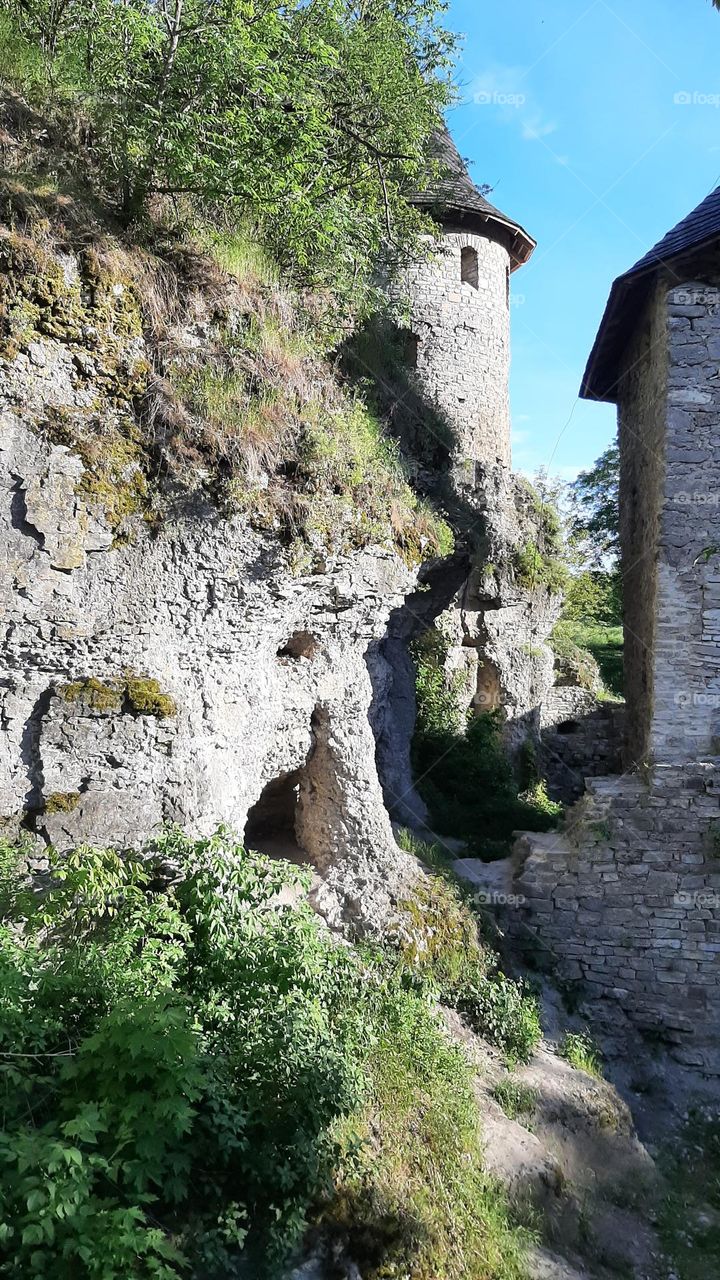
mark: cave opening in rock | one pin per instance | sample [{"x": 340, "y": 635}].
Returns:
[
  {"x": 302, "y": 644},
  {"x": 271, "y": 822}
]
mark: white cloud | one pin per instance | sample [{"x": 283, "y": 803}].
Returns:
[
  {"x": 506, "y": 91},
  {"x": 534, "y": 127}
]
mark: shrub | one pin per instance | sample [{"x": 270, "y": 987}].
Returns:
[
  {"x": 186, "y": 1064},
  {"x": 504, "y": 1012},
  {"x": 185, "y": 1050},
  {"x": 581, "y": 1052}
]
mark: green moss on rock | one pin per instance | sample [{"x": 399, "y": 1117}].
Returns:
[
  {"x": 94, "y": 694},
  {"x": 138, "y": 695},
  {"x": 62, "y": 802},
  {"x": 146, "y": 698}
]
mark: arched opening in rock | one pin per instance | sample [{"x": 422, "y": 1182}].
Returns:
[
  {"x": 271, "y": 822},
  {"x": 567, "y": 727},
  {"x": 487, "y": 694},
  {"x": 302, "y": 644},
  {"x": 469, "y": 272}
]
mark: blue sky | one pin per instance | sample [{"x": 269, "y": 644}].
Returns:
[{"x": 598, "y": 125}]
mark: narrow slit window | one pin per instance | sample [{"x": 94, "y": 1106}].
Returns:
[{"x": 469, "y": 266}]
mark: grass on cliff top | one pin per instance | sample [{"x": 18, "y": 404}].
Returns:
[
  {"x": 236, "y": 393},
  {"x": 192, "y": 1073}
]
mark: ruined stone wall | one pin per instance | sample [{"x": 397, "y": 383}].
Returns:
[
  {"x": 626, "y": 904},
  {"x": 642, "y": 418},
  {"x": 463, "y": 342},
  {"x": 581, "y": 737}
]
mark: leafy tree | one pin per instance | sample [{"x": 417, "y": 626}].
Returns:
[
  {"x": 313, "y": 115},
  {"x": 594, "y": 518},
  {"x": 594, "y": 593}
]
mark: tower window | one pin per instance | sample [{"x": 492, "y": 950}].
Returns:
[{"x": 469, "y": 266}]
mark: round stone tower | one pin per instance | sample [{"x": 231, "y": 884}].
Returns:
[{"x": 459, "y": 314}]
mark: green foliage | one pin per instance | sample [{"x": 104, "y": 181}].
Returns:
[
  {"x": 503, "y": 1011},
  {"x": 185, "y": 1049},
  {"x": 375, "y": 358},
  {"x": 535, "y": 569},
  {"x": 185, "y": 1063},
  {"x": 311, "y": 117},
  {"x": 594, "y": 596},
  {"x": 595, "y": 514},
  {"x": 463, "y": 772},
  {"x": 517, "y": 1100},
  {"x": 690, "y": 1212},
  {"x": 540, "y": 562},
  {"x": 605, "y": 645},
  {"x": 440, "y": 940},
  {"x": 355, "y": 482},
  {"x": 581, "y": 1052}
]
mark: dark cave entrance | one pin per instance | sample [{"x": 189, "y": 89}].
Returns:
[{"x": 271, "y": 822}]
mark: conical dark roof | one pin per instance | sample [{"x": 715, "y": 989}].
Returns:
[
  {"x": 691, "y": 236},
  {"x": 451, "y": 195}
]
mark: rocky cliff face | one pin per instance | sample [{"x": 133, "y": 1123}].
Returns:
[
  {"x": 209, "y": 591},
  {"x": 167, "y": 662}
]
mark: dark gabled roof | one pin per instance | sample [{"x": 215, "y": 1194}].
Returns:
[
  {"x": 452, "y": 196},
  {"x": 630, "y": 291}
]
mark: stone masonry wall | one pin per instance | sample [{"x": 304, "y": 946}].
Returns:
[
  {"x": 625, "y": 903},
  {"x": 686, "y": 703},
  {"x": 581, "y": 737},
  {"x": 463, "y": 349}
]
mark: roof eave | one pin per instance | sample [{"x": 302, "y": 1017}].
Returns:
[{"x": 519, "y": 242}]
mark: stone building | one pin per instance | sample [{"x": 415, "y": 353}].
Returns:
[
  {"x": 459, "y": 339},
  {"x": 627, "y": 901},
  {"x": 454, "y": 307},
  {"x": 656, "y": 356}
]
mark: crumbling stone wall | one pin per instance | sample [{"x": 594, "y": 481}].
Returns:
[
  {"x": 463, "y": 342},
  {"x": 625, "y": 903},
  {"x": 581, "y": 737}
]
